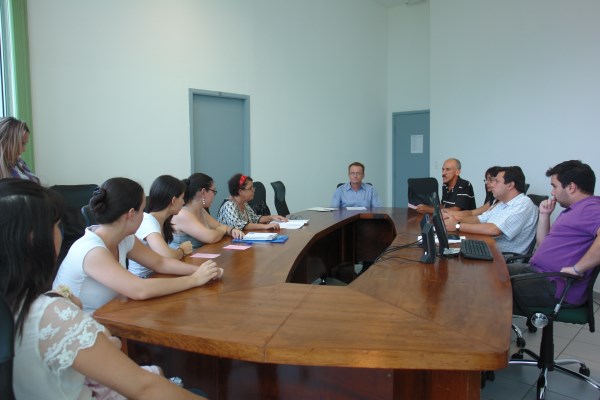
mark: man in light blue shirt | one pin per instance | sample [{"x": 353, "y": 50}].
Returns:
[{"x": 355, "y": 193}]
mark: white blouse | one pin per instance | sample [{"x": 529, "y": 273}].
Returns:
[{"x": 54, "y": 332}]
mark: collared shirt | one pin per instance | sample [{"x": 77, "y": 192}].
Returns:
[
  {"x": 460, "y": 196},
  {"x": 569, "y": 238},
  {"x": 517, "y": 219},
  {"x": 345, "y": 196}
]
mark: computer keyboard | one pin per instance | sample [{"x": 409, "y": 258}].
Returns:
[{"x": 477, "y": 249}]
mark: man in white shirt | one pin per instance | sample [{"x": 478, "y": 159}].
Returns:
[{"x": 512, "y": 221}]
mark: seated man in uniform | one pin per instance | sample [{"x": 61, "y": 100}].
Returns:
[{"x": 355, "y": 193}]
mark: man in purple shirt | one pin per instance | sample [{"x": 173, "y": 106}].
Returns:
[{"x": 570, "y": 245}]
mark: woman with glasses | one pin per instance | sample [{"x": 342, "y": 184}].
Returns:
[
  {"x": 194, "y": 223},
  {"x": 490, "y": 174},
  {"x": 237, "y": 213},
  {"x": 95, "y": 267},
  {"x": 57, "y": 346},
  {"x": 165, "y": 201}
]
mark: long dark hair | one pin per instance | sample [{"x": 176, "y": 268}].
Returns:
[
  {"x": 162, "y": 191},
  {"x": 114, "y": 198},
  {"x": 28, "y": 213},
  {"x": 195, "y": 183}
]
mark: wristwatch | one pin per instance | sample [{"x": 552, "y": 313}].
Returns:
[{"x": 457, "y": 226}]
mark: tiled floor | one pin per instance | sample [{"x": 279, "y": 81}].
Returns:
[{"x": 570, "y": 341}]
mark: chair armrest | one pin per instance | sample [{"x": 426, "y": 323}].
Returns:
[
  {"x": 510, "y": 257},
  {"x": 535, "y": 275}
]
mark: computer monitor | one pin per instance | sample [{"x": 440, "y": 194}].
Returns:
[
  {"x": 438, "y": 222},
  {"x": 428, "y": 241}
]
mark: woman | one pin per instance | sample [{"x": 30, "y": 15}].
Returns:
[
  {"x": 165, "y": 201},
  {"x": 236, "y": 211},
  {"x": 95, "y": 266},
  {"x": 193, "y": 223},
  {"x": 14, "y": 135},
  {"x": 490, "y": 174},
  {"x": 57, "y": 346}
]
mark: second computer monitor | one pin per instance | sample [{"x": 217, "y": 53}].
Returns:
[{"x": 438, "y": 223}]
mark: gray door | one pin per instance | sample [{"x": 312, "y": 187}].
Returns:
[
  {"x": 219, "y": 124},
  {"x": 410, "y": 151}
]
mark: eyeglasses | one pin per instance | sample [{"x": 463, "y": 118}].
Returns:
[
  {"x": 488, "y": 179},
  {"x": 214, "y": 191}
]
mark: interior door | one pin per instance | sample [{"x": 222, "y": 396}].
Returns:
[
  {"x": 219, "y": 124},
  {"x": 410, "y": 151}
]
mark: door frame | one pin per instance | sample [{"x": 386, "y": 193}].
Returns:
[{"x": 246, "y": 134}]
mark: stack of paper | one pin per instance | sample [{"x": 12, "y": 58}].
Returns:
[
  {"x": 259, "y": 236},
  {"x": 293, "y": 224}
]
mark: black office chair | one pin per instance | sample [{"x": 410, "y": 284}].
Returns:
[
  {"x": 280, "y": 204},
  {"x": 88, "y": 215},
  {"x": 420, "y": 189},
  {"x": 73, "y": 222},
  {"x": 537, "y": 198},
  {"x": 7, "y": 350},
  {"x": 259, "y": 202},
  {"x": 340, "y": 184},
  {"x": 545, "y": 318}
]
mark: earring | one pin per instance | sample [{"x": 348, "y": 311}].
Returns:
[{"x": 203, "y": 201}]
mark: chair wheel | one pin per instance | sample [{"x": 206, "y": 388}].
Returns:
[
  {"x": 532, "y": 328},
  {"x": 520, "y": 342},
  {"x": 517, "y": 356},
  {"x": 584, "y": 370}
]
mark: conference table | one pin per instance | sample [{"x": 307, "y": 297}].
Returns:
[{"x": 265, "y": 330}]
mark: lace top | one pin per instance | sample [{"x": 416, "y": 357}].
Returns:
[{"x": 54, "y": 332}]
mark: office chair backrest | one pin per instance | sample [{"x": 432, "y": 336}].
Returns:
[
  {"x": 340, "y": 184},
  {"x": 7, "y": 350},
  {"x": 537, "y": 198},
  {"x": 280, "y": 204},
  {"x": 420, "y": 189},
  {"x": 259, "y": 202},
  {"x": 73, "y": 222}
]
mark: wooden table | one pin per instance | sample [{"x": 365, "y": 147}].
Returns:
[{"x": 401, "y": 330}]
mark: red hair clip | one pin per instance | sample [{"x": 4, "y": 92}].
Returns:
[{"x": 243, "y": 180}]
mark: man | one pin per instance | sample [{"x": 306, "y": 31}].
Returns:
[
  {"x": 512, "y": 221},
  {"x": 457, "y": 193},
  {"x": 570, "y": 245},
  {"x": 355, "y": 193}
]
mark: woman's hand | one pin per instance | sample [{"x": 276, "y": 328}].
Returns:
[
  {"x": 236, "y": 233},
  {"x": 187, "y": 248},
  {"x": 206, "y": 272},
  {"x": 278, "y": 218}
]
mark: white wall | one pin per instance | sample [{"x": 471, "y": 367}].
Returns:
[
  {"x": 110, "y": 83},
  {"x": 515, "y": 82},
  {"x": 408, "y": 67}
]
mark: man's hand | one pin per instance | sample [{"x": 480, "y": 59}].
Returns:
[{"x": 547, "y": 206}]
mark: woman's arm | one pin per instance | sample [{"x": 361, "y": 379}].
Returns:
[
  {"x": 149, "y": 259},
  {"x": 107, "y": 365},
  {"x": 100, "y": 264},
  {"x": 229, "y": 230},
  {"x": 187, "y": 222},
  {"x": 157, "y": 243}
]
